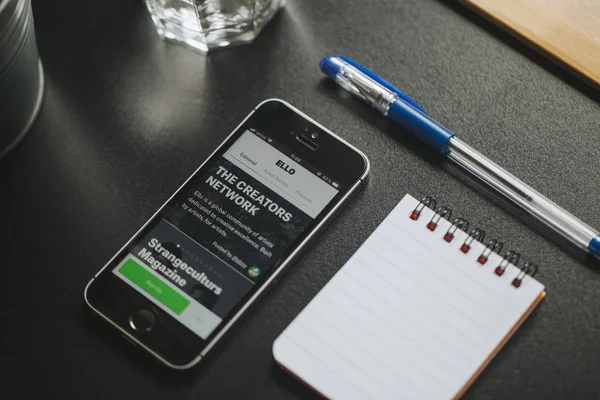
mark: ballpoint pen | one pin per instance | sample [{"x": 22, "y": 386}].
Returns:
[{"x": 399, "y": 108}]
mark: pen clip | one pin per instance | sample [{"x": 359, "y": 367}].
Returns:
[{"x": 383, "y": 83}]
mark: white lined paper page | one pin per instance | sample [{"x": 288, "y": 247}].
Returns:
[{"x": 408, "y": 316}]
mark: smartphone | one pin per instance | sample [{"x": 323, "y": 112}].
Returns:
[{"x": 184, "y": 279}]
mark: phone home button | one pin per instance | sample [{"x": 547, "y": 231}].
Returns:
[{"x": 142, "y": 320}]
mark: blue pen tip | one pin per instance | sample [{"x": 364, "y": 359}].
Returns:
[
  {"x": 594, "y": 247},
  {"x": 330, "y": 66}
]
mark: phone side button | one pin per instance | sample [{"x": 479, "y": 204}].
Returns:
[{"x": 142, "y": 320}]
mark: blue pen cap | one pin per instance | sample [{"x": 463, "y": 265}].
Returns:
[
  {"x": 330, "y": 66},
  {"x": 388, "y": 100}
]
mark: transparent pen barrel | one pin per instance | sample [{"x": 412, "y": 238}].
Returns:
[
  {"x": 530, "y": 200},
  {"x": 365, "y": 88}
]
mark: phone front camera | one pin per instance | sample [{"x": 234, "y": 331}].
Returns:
[{"x": 314, "y": 135}]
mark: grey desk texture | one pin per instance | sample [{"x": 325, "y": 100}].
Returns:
[{"x": 127, "y": 118}]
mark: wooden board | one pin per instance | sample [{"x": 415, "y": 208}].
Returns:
[{"x": 567, "y": 30}]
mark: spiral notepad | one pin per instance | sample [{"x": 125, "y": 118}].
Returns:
[{"x": 417, "y": 312}]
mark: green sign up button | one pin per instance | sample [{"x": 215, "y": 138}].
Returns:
[{"x": 154, "y": 286}]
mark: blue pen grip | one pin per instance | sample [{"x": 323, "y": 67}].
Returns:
[{"x": 420, "y": 125}]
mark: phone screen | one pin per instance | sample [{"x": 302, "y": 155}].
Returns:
[{"x": 225, "y": 230}]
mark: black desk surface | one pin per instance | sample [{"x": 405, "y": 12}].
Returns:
[{"x": 127, "y": 118}]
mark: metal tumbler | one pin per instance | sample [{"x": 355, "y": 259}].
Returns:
[{"x": 21, "y": 75}]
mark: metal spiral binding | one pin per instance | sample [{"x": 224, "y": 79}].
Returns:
[
  {"x": 528, "y": 269},
  {"x": 442, "y": 212},
  {"x": 459, "y": 223},
  {"x": 426, "y": 202},
  {"x": 511, "y": 257},
  {"x": 493, "y": 246},
  {"x": 475, "y": 234}
]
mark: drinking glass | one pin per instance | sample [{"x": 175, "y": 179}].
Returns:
[{"x": 210, "y": 24}]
